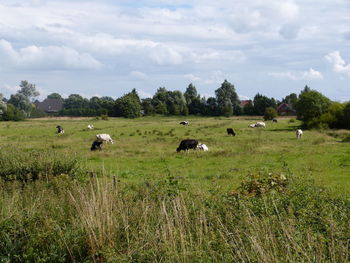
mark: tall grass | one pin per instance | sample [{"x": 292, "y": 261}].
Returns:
[
  {"x": 35, "y": 164},
  {"x": 100, "y": 221}
]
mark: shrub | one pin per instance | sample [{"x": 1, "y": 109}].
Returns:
[
  {"x": 104, "y": 117},
  {"x": 270, "y": 113},
  {"x": 33, "y": 165}
]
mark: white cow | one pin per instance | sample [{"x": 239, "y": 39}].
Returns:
[
  {"x": 90, "y": 126},
  {"x": 202, "y": 147},
  {"x": 251, "y": 125},
  {"x": 260, "y": 124},
  {"x": 104, "y": 137},
  {"x": 299, "y": 133}
]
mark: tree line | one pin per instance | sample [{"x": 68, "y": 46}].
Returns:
[{"x": 310, "y": 106}]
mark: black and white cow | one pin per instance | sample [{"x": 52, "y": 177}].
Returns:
[
  {"x": 187, "y": 144},
  {"x": 104, "y": 137},
  {"x": 184, "y": 122},
  {"x": 274, "y": 120},
  {"x": 59, "y": 129},
  {"x": 230, "y": 131},
  {"x": 96, "y": 145}
]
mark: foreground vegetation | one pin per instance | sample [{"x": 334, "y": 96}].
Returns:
[{"x": 261, "y": 196}]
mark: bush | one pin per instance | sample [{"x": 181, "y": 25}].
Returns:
[
  {"x": 270, "y": 113},
  {"x": 33, "y": 165},
  {"x": 104, "y": 117}
]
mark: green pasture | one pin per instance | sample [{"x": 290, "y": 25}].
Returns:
[{"x": 145, "y": 149}]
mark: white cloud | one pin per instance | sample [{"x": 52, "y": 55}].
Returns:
[
  {"x": 338, "y": 63},
  {"x": 144, "y": 94},
  {"x": 13, "y": 89},
  {"x": 243, "y": 97},
  {"x": 45, "y": 58},
  {"x": 192, "y": 77},
  {"x": 138, "y": 75},
  {"x": 311, "y": 74}
]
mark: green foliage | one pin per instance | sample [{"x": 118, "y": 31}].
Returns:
[
  {"x": 104, "y": 117},
  {"x": 249, "y": 109},
  {"x": 128, "y": 106},
  {"x": 21, "y": 102},
  {"x": 28, "y": 90},
  {"x": 55, "y": 96},
  {"x": 147, "y": 106},
  {"x": 291, "y": 100},
  {"x": 258, "y": 184},
  {"x": 226, "y": 98},
  {"x": 37, "y": 113},
  {"x": 12, "y": 114},
  {"x": 311, "y": 105},
  {"x": 270, "y": 113},
  {"x": 33, "y": 165},
  {"x": 153, "y": 221},
  {"x": 262, "y": 102}
]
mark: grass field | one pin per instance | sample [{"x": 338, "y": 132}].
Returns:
[
  {"x": 261, "y": 196},
  {"x": 145, "y": 149}
]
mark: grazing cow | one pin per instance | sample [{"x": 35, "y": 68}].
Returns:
[
  {"x": 90, "y": 126},
  {"x": 260, "y": 124},
  {"x": 202, "y": 147},
  {"x": 299, "y": 133},
  {"x": 96, "y": 145},
  {"x": 274, "y": 120},
  {"x": 184, "y": 122},
  {"x": 251, "y": 125},
  {"x": 185, "y": 145},
  {"x": 104, "y": 137},
  {"x": 59, "y": 129},
  {"x": 230, "y": 131}
]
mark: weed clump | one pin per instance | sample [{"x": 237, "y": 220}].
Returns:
[{"x": 35, "y": 164}]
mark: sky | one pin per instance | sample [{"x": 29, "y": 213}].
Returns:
[{"x": 108, "y": 48}]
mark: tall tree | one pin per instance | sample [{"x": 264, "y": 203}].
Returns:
[
  {"x": 28, "y": 90},
  {"x": 262, "y": 102},
  {"x": 55, "y": 96},
  {"x": 291, "y": 100},
  {"x": 2, "y": 105},
  {"x": 193, "y": 100},
  {"x": 128, "y": 106},
  {"x": 225, "y": 96},
  {"x": 311, "y": 104}
]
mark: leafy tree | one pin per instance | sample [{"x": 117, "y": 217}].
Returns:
[
  {"x": 2, "y": 105},
  {"x": 226, "y": 95},
  {"x": 147, "y": 106},
  {"x": 291, "y": 100},
  {"x": 193, "y": 100},
  {"x": 128, "y": 106},
  {"x": 55, "y": 96},
  {"x": 159, "y": 101},
  {"x": 346, "y": 116},
  {"x": 262, "y": 102},
  {"x": 211, "y": 107},
  {"x": 176, "y": 103},
  {"x": 270, "y": 113},
  {"x": 107, "y": 105},
  {"x": 249, "y": 109},
  {"x": 75, "y": 101},
  {"x": 311, "y": 104},
  {"x": 21, "y": 102},
  {"x": 28, "y": 90},
  {"x": 306, "y": 89},
  {"x": 12, "y": 114}
]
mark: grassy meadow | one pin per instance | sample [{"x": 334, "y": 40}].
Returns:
[
  {"x": 261, "y": 196},
  {"x": 145, "y": 149}
]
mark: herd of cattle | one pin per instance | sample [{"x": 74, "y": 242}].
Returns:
[{"x": 185, "y": 145}]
